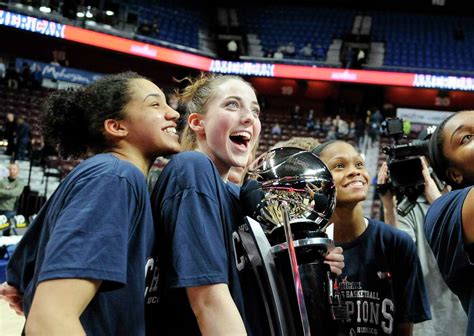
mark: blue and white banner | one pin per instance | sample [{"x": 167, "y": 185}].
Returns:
[
  {"x": 31, "y": 24},
  {"x": 60, "y": 73}
]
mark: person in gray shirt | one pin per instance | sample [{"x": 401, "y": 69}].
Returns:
[{"x": 448, "y": 316}]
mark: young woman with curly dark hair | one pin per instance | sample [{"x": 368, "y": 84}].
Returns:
[{"x": 80, "y": 265}]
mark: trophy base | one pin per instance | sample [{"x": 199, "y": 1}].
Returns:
[
  {"x": 311, "y": 247},
  {"x": 273, "y": 270},
  {"x": 315, "y": 284}
]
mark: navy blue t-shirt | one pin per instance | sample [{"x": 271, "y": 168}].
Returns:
[
  {"x": 382, "y": 283},
  {"x": 97, "y": 225},
  {"x": 196, "y": 216},
  {"x": 444, "y": 232}
]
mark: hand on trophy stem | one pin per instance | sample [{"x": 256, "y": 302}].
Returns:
[{"x": 335, "y": 259}]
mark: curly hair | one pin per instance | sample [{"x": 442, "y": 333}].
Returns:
[
  {"x": 72, "y": 119},
  {"x": 194, "y": 98}
]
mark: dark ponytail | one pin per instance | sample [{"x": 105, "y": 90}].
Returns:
[{"x": 72, "y": 120}]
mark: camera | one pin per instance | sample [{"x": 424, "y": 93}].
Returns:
[{"x": 404, "y": 165}]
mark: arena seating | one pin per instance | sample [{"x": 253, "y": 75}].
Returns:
[
  {"x": 425, "y": 41},
  {"x": 177, "y": 24},
  {"x": 278, "y": 26},
  {"x": 439, "y": 44},
  {"x": 27, "y": 102}
]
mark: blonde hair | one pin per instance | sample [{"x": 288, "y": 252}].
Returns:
[
  {"x": 194, "y": 98},
  {"x": 305, "y": 143}
]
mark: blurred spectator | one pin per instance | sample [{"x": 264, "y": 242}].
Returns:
[
  {"x": 60, "y": 57},
  {"x": 347, "y": 57},
  {"x": 335, "y": 122},
  {"x": 10, "y": 191},
  {"x": 332, "y": 134},
  {"x": 318, "y": 125},
  {"x": 352, "y": 130},
  {"x": 269, "y": 53},
  {"x": 280, "y": 52},
  {"x": 144, "y": 28},
  {"x": 327, "y": 123},
  {"x": 290, "y": 49},
  {"x": 276, "y": 129},
  {"x": 278, "y": 55},
  {"x": 155, "y": 28},
  {"x": 232, "y": 46},
  {"x": 360, "y": 60},
  {"x": 319, "y": 53},
  {"x": 374, "y": 131},
  {"x": 377, "y": 117},
  {"x": 12, "y": 76},
  {"x": 26, "y": 78},
  {"x": 310, "y": 121},
  {"x": 360, "y": 133},
  {"x": 307, "y": 51},
  {"x": 281, "y": 48},
  {"x": 37, "y": 77},
  {"x": 342, "y": 128},
  {"x": 296, "y": 116},
  {"x": 53, "y": 62},
  {"x": 23, "y": 135},
  {"x": 9, "y": 127},
  {"x": 232, "y": 50},
  {"x": 3, "y": 70}
]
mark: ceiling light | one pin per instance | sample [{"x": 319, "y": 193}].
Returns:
[{"x": 45, "y": 9}]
